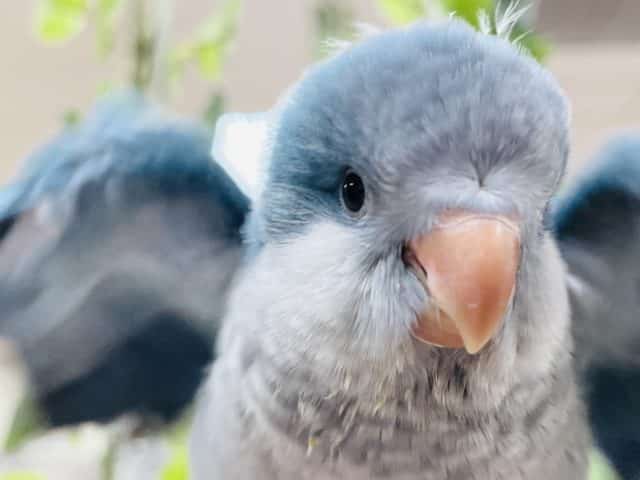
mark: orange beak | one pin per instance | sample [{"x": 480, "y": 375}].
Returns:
[{"x": 468, "y": 263}]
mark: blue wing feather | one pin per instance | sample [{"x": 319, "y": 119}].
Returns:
[
  {"x": 597, "y": 224},
  {"x": 119, "y": 240}
]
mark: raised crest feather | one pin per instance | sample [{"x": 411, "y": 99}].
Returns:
[{"x": 503, "y": 22}]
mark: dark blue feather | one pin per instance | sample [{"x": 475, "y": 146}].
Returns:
[
  {"x": 597, "y": 224},
  {"x": 128, "y": 182}
]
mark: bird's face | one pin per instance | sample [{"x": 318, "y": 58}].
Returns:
[{"x": 405, "y": 199}]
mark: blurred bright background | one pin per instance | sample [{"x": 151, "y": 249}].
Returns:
[
  {"x": 212, "y": 56},
  {"x": 595, "y": 53}
]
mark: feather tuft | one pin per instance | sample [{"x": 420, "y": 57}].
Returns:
[{"x": 503, "y": 22}]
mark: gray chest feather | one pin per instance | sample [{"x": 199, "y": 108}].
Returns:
[{"x": 279, "y": 425}]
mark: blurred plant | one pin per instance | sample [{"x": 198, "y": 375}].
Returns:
[
  {"x": 57, "y": 20},
  {"x": 332, "y": 21},
  {"x": 208, "y": 46},
  {"x": 600, "y": 469},
  {"x": 485, "y": 15},
  {"x": 208, "y": 49},
  {"x": 403, "y": 11},
  {"x": 27, "y": 423},
  {"x": 60, "y": 21},
  {"x": 108, "y": 463},
  {"x": 177, "y": 468},
  {"x": 21, "y": 476},
  {"x": 154, "y": 61},
  {"x": 71, "y": 117}
]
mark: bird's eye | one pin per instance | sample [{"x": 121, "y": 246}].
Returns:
[{"x": 352, "y": 192}]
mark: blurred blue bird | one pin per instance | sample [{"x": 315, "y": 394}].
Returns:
[
  {"x": 122, "y": 239},
  {"x": 597, "y": 224},
  {"x": 119, "y": 239}
]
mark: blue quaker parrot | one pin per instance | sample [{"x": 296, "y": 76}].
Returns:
[
  {"x": 108, "y": 236},
  {"x": 404, "y": 309},
  {"x": 597, "y": 225},
  {"x": 392, "y": 298}
]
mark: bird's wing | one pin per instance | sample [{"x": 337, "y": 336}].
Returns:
[
  {"x": 597, "y": 224},
  {"x": 119, "y": 220}
]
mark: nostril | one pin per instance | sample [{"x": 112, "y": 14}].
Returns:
[
  {"x": 412, "y": 263},
  {"x": 405, "y": 254},
  {"x": 408, "y": 257}
]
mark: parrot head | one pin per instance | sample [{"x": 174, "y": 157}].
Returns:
[{"x": 404, "y": 199}]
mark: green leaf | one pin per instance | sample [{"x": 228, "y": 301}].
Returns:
[
  {"x": 105, "y": 25},
  {"x": 108, "y": 463},
  {"x": 177, "y": 467},
  {"x": 60, "y": 20},
  {"x": 108, "y": 7},
  {"x": 210, "y": 44},
  {"x": 178, "y": 432},
  {"x": 468, "y": 10},
  {"x": 209, "y": 56},
  {"x": 71, "y": 117},
  {"x": 21, "y": 476},
  {"x": 403, "y": 11},
  {"x": 332, "y": 20},
  {"x": 28, "y": 422},
  {"x": 105, "y": 87},
  {"x": 600, "y": 469},
  {"x": 69, "y": 5}
]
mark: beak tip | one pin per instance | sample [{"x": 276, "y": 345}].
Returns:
[
  {"x": 473, "y": 348},
  {"x": 473, "y": 343}
]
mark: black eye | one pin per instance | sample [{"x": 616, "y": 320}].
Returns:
[{"x": 352, "y": 192}]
